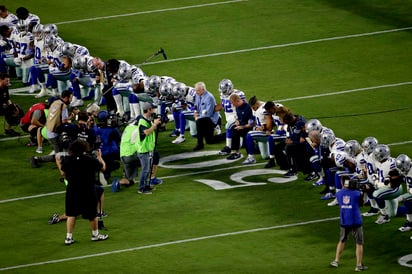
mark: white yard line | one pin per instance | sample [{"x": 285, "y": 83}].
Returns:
[
  {"x": 283, "y": 45},
  {"x": 137, "y": 248},
  {"x": 149, "y": 11}
]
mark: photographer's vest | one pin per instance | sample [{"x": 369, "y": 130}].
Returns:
[
  {"x": 54, "y": 119},
  {"x": 147, "y": 143},
  {"x": 26, "y": 119},
  {"x": 126, "y": 148}
]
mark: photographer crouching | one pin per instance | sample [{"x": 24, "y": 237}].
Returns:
[{"x": 108, "y": 140}]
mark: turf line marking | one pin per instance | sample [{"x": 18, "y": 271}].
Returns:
[
  {"x": 169, "y": 243},
  {"x": 32, "y": 197},
  {"x": 282, "y": 45},
  {"x": 346, "y": 91},
  {"x": 149, "y": 11}
]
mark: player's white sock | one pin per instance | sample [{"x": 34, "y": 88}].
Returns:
[
  {"x": 134, "y": 110},
  {"x": 119, "y": 104}
]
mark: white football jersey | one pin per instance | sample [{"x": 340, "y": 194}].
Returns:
[
  {"x": 190, "y": 97},
  {"x": 227, "y": 106},
  {"x": 382, "y": 169},
  {"x": 56, "y": 56},
  {"x": 260, "y": 115},
  {"x": 40, "y": 51},
  {"x": 167, "y": 79},
  {"x": 23, "y": 42},
  {"x": 360, "y": 161},
  {"x": 32, "y": 19},
  {"x": 137, "y": 75},
  {"x": 9, "y": 20},
  {"x": 80, "y": 51},
  {"x": 337, "y": 146}
]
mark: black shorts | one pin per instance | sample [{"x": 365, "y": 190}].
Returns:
[{"x": 84, "y": 204}]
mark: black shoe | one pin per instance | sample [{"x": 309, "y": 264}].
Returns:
[
  {"x": 290, "y": 173},
  {"x": 198, "y": 147},
  {"x": 11, "y": 132},
  {"x": 311, "y": 177},
  {"x": 234, "y": 156},
  {"x": 226, "y": 150},
  {"x": 270, "y": 163},
  {"x": 33, "y": 162}
]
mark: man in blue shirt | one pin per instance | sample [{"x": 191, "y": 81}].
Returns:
[
  {"x": 350, "y": 200},
  {"x": 205, "y": 116}
]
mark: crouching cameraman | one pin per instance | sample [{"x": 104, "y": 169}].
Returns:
[
  {"x": 108, "y": 140},
  {"x": 350, "y": 200}
]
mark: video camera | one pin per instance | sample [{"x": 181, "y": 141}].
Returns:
[
  {"x": 115, "y": 120},
  {"x": 354, "y": 183},
  {"x": 163, "y": 118}
]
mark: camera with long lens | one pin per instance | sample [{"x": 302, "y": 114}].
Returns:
[
  {"x": 355, "y": 184},
  {"x": 163, "y": 118},
  {"x": 115, "y": 120}
]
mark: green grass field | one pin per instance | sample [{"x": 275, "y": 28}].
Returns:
[{"x": 347, "y": 63}]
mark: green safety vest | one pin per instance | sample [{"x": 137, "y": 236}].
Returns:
[
  {"x": 148, "y": 143},
  {"x": 126, "y": 148}
]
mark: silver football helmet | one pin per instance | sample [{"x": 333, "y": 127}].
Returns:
[
  {"x": 50, "y": 41},
  {"x": 327, "y": 139},
  {"x": 403, "y": 163},
  {"x": 165, "y": 89},
  {"x": 369, "y": 144},
  {"x": 79, "y": 62},
  {"x": 179, "y": 90},
  {"x": 154, "y": 83},
  {"x": 38, "y": 31},
  {"x": 313, "y": 124},
  {"x": 68, "y": 49},
  {"x": 22, "y": 27},
  {"x": 226, "y": 87},
  {"x": 352, "y": 148},
  {"x": 125, "y": 71},
  {"x": 50, "y": 29},
  {"x": 381, "y": 153}
]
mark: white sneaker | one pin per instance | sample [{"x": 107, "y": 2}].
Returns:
[
  {"x": 100, "y": 237},
  {"x": 76, "y": 102},
  {"x": 249, "y": 160},
  {"x": 333, "y": 203},
  {"x": 383, "y": 219},
  {"x": 33, "y": 88},
  {"x": 406, "y": 227},
  {"x": 68, "y": 241},
  {"x": 179, "y": 140},
  {"x": 42, "y": 93},
  {"x": 39, "y": 150}
]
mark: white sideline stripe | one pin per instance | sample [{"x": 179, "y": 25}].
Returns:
[
  {"x": 149, "y": 11},
  {"x": 32, "y": 197},
  {"x": 169, "y": 243},
  {"x": 282, "y": 45}
]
